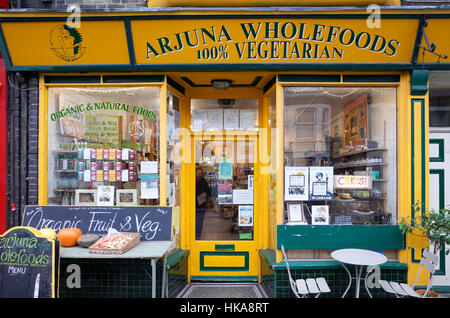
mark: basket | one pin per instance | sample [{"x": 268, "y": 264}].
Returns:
[{"x": 135, "y": 239}]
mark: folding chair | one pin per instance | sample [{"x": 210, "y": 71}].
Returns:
[
  {"x": 429, "y": 261},
  {"x": 303, "y": 287}
]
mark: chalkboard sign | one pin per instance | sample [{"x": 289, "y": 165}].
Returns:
[
  {"x": 154, "y": 223},
  {"x": 29, "y": 264}
]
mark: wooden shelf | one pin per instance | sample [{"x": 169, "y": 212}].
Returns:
[
  {"x": 369, "y": 164},
  {"x": 352, "y": 153}
]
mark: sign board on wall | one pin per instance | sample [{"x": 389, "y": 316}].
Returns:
[
  {"x": 352, "y": 182},
  {"x": 154, "y": 223},
  {"x": 29, "y": 264},
  {"x": 198, "y": 40}
]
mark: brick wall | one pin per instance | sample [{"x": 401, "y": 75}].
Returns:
[
  {"x": 62, "y": 5},
  {"x": 23, "y": 129}
]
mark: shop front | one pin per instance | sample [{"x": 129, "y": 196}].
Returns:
[{"x": 306, "y": 130}]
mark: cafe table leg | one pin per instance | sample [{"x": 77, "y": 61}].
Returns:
[
  {"x": 153, "y": 278},
  {"x": 164, "y": 277},
  {"x": 349, "y": 277},
  {"x": 365, "y": 284},
  {"x": 358, "y": 280}
]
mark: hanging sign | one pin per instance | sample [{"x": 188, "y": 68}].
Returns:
[{"x": 29, "y": 264}]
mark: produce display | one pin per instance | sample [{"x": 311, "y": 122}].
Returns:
[
  {"x": 50, "y": 234},
  {"x": 115, "y": 242},
  {"x": 69, "y": 236},
  {"x": 87, "y": 240}
]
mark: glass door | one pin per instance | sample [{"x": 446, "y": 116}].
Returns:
[{"x": 226, "y": 218}]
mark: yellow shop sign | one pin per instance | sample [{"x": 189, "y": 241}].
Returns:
[
  {"x": 262, "y": 41},
  {"x": 128, "y": 41}
]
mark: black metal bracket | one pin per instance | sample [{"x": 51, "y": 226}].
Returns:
[{"x": 429, "y": 47}]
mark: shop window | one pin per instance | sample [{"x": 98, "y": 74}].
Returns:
[
  {"x": 340, "y": 155},
  {"x": 440, "y": 107},
  {"x": 439, "y": 115},
  {"x": 103, "y": 146},
  {"x": 173, "y": 164}
]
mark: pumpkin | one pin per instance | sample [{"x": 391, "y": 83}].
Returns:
[
  {"x": 50, "y": 234},
  {"x": 69, "y": 236}
]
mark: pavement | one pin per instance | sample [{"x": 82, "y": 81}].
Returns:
[{"x": 231, "y": 290}]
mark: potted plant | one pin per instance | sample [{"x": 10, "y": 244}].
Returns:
[{"x": 434, "y": 225}]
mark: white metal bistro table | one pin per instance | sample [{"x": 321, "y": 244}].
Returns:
[
  {"x": 144, "y": 250},
  {"x": 359, "y": 258}
]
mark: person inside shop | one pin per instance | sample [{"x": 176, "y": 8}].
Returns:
[{"x": 202, "y": 193}]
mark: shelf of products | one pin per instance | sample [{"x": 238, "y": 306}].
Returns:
[
  {"x": 361, "y": 206},
  {"x": 90, "y": 168}
]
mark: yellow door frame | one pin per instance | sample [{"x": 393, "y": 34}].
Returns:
[{"x": 188, "y": 178}]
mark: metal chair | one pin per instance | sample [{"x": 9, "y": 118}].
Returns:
[
  {"x": 303, "y": 287},
  {"x": 429, "y": 261}
]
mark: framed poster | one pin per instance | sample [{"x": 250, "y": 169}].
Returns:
[
  {"x": 199, "y": 120},
  {"x": 320, "y": 215},
  {"x": 296, "y": 183},
  {"x": 105, "y": 195},
  {"x": 296, "y": 213},
  {"x": 85, "y": 197},
  {"x": 231, "y": 119},
  {"x": 245, "y": 215},
  {"x": 356, "y": 123},
  {"x": 225, "y": 170},
  {"x": 126, "y": 197},
  {"x": 215, "y": 119},
  {"x": 247, "y": 119},
  {"x": 321, "y": 183}
]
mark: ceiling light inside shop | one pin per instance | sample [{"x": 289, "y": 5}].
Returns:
[{"x": 221, "y": 83}]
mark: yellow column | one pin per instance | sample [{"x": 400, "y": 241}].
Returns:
[{"x": 416, "y": 121}]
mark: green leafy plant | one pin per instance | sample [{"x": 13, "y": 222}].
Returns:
[{"x": 434, "y": 225}]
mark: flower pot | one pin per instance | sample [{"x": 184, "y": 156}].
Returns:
[{"x": 431, "y": 294}]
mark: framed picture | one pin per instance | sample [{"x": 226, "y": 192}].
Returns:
[
  {"x": 296, "y": 183},
  {"x": 105, "y": 195},
  {"x": 320, "y": 214},
  {"x": 85, "y": 197},
  {"x": 295, "y": 213},
  {"x": 245, "y": 215},
  {"x": 126, "y": 197},
  {"x": 356, "y": 121}
]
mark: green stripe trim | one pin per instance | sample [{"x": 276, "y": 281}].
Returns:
[
  {"x": 305, "y": 78},
  {"x": 270, "y": 84},
  {"x": 129, "y": 35},
  {"x": 441, "y": 156},
  {"x": 175, "y": 85},
  {"x": 225, "y": 278},
  {"x": 220, "y": 67},
  {"x": 380, "y": 237},
  {"x": 441, "y": 174},
  {"x": 325, "y": 264},
  {"x": 423, "y": 172},
  {"x": 371, "y": 78},
  {"x": 224, "y": 247},
  {"x": 133, "y": 78},
  {"x": 244, "y": 268},
  {"x": 72, "y": 79}
]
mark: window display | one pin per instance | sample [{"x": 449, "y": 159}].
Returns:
[
  {"x": 340, "y": 153},
  {"x": 102, "y": 141}
]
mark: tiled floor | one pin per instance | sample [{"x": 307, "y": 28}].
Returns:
[{"x": 222, "y": 290}]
